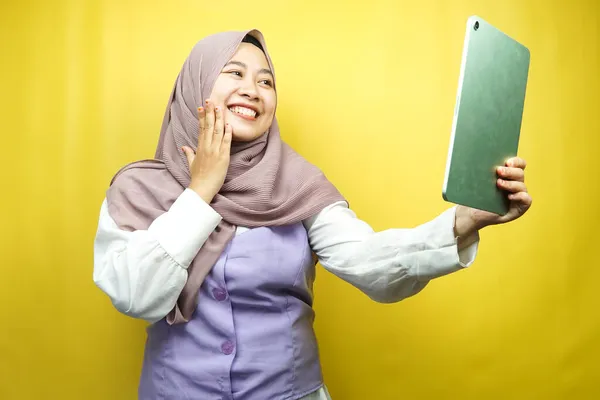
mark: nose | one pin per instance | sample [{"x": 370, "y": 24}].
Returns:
[{"x": 248, "y": 89}]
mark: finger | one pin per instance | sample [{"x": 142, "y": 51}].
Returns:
[
  {"x": 218, "y": 133},
  {"x": 516, "y": 162},
  {"x": 513, "y": 174},
  {"x": 210, "y": 123},
  {"x": 201, "y": 124},
  {"x": 189, "y": 154},
  {"x": 226, "y": 144},
  {"x": 512, "y": 186},
  {"x": 523, "y": 198}
]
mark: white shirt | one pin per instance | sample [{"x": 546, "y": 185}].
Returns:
[{"x": 144, "y": 271}]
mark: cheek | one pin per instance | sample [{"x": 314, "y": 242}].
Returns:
[
  {"x": 270, "y": 104},
  {"x": 220, "y": 90},
  {"x": 217, "y": 99}
]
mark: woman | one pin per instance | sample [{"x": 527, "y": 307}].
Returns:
[{"x": 216, "y": 247}]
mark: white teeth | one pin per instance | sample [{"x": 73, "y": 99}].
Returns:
[{"x": 243, "y": 111}]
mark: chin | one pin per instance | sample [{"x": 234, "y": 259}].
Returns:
[{"x": 243, "y": 135}]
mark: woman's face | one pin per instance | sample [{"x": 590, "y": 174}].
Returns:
[{"x": 244, "y": 89}]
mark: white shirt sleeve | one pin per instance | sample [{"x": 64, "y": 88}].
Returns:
[
  {"x": 144, "y": 271},
  {"x": 390, "y": 265}
]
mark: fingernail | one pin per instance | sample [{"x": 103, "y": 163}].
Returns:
[
  {"x": 206, "y": 101},
  {"x": 218, "y": 108},
  {"x": 200, "y": 109}
]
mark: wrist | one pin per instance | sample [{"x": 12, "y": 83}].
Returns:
[
  {"x": 203, "y": 191},
  {"x": 464, "y": 223}
]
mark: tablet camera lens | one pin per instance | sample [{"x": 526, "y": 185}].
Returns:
[{"x": 476, "y": 25}]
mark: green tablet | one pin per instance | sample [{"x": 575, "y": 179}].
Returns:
[{"x": 487, "y": 116}]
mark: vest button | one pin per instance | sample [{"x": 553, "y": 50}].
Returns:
[
  {"x": 219, "y": 294},
  {"x": 227, "y": 347}
]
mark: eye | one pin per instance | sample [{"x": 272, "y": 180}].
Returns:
[
  {"x": 236, "y": 73},
  {"x": 267, "y": 82}
]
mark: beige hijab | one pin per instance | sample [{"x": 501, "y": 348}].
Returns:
[{"x": 267, "y": 183}]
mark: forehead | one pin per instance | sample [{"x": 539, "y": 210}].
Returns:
[{"x": 250, "y": 55}]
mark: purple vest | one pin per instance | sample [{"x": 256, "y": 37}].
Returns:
[{"x": 251, "y": 336}]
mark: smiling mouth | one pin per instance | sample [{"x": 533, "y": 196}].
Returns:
[{"x": 244, "y": 112}]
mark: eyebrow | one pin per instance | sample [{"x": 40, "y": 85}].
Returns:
[{"x": 241, "y": 64}]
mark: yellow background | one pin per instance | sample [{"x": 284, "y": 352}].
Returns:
[{"x": 367, "y": 93}]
